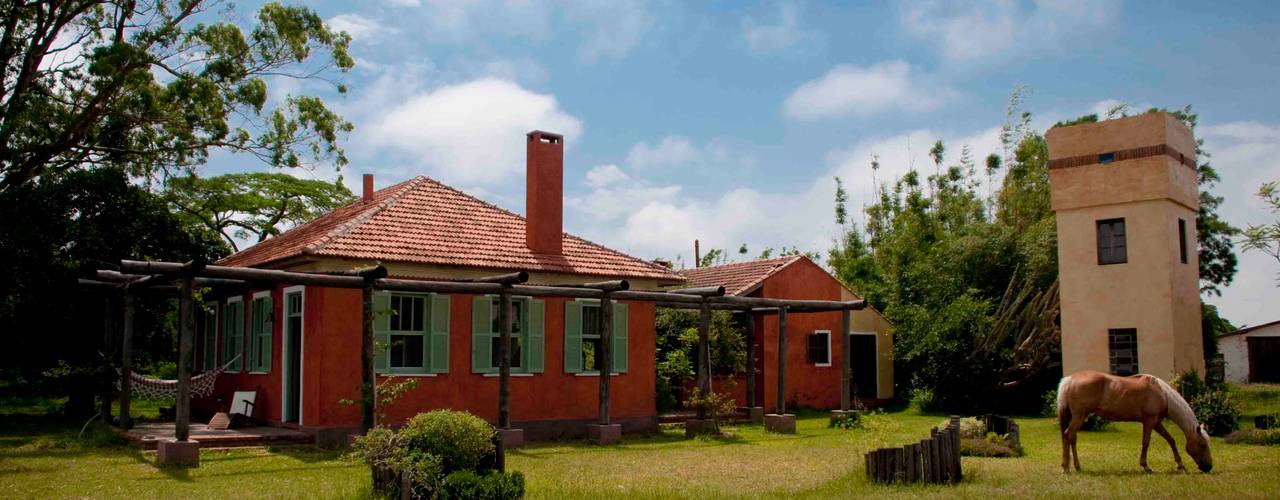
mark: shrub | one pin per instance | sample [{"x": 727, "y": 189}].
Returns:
[
  {"x": 970, "y": 428},
  {"x": 462, "y": 441},
  {"x": 1217, "y": 411},
  {"x": 1095, "y": 424},
  {"x": 1268, "y": 437},
  {"x": 923, "y": 399},
  {"x": 493, "y": 486},
  {"x": 1268, "y": 421},
  {"x": 991, "y": 446},
  {"x": 1190, "y": 385},
  {"x": 714, "y": 403},
  {"x": 378, "y": 447},
  {"x": 1050, "y": 407}
]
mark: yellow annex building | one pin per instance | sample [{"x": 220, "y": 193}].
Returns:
[{"x": 1125, "y": 195}]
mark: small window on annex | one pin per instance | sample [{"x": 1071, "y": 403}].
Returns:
[{"x": 819, "y": 348}]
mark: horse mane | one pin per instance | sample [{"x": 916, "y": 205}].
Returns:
[{"x": 1179, "y": 410}]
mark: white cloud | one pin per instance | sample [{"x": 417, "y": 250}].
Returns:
[
  {"x": 611, "y": 27},
  {"x": 853, "y": 90},
  {"x": 605, "y": 175},
  {"x": 359, "y": 27},
  {"x": 994, "y": 29},
  {"x": 763, "y": 38},
  {"x": 1246, "y": 154},
  {"x": 471, "y": 132},
  {"x": 672, "y": 150}
]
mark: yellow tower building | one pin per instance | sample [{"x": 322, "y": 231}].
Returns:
[{"x": 1125, "y": 195}]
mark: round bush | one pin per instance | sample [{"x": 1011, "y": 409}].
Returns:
[
  {"x": 1218, "y": 412},
  {"x": 462, "y": 441}
]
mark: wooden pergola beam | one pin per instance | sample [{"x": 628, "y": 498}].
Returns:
[{"x": 705, "y": 291}]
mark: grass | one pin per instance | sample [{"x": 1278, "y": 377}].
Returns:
[{"x": 42, "y": 458}]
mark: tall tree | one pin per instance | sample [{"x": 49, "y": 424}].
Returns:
[
  {"x": 253, "y": 205},
  {"x": 152, "y": 85},
  {"x": 1265, "y": 238}
]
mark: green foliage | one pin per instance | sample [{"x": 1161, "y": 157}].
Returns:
[
  {"x": 1050, "y": 407},
  {"x": 1267, "y": 421},
  {"x": 922, "y": 399},
  {"x": 677, "y": 345},
  {"x": 154, "y": 86},
  {"x": 466, "y": 485},
  {"x": 69, "y": 225},
  {"x": 712, "y": 402},
  {"x": 1089, "y": 118},
  {"x": 1095, "y": 424},
  {"x": 850, "y": 420},
  {"x": 462, "y": 441},
  {"x": 1217, "y": 411},
  {"x": 1190, "y": 385},
  {"x": 1267, "y": 437},
  {"x": 252, "y": 204}
]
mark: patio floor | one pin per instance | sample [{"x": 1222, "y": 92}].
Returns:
[{"x": 147, "y": 434}]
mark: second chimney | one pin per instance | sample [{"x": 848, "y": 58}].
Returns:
[
  {"x": 368, "y": 187},
  {"x": 544, "y": 192}
]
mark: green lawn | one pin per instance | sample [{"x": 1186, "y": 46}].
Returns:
[{"x": 44, "y": 459}]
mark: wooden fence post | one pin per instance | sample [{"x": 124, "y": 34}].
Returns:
[
  {"x": 186, "y": 328},
  {"x": 504, "y": 359},
  {"x": 367, "y": 377},
  {"x": 751, "y": 359},
  {"x": 781, "y": 403},
  {"x": 704, "y": 354},
  {"x": 605, "y": 355},
  {"x": 846, "y": 371},
  {"x": 126, "y": 363}
]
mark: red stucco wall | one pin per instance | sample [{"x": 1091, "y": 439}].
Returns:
[
  {"x": 268, "y": 385},
  {"x": 807, "y": 385},
  {"x": 331, "y": 370}
]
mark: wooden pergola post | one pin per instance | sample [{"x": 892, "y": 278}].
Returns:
[
  {"x": 606, "y": 355},
  {"x": 781, "y": 403},
  {"x": 504, "y": 359},
  {"x": 108, "y": 348},
  {"x": 704, "y": 354},
  {"x": 751, "y": 358},
  {"x": 126, "y": 363},
  {"x": 846, "y": 371},
  {"x": 368, "y": 396},
  {"x": 186, "y": 334}
]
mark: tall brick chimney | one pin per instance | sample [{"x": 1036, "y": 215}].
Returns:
[
  {"x": 368, "y": 187},
  {"x": 544, "y": 192}
]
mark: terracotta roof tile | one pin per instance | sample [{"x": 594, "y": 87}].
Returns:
[
  {"x": 425, "y": 222},
  {"x": 739, "y": 278}
]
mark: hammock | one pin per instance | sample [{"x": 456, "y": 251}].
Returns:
[{"x": 145, "y": 387}]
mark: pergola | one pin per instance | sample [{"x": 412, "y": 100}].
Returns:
[{"x": 133, "y": 277}]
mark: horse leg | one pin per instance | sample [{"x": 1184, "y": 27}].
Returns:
[
  {"x": 1073, "y": 431},
  {"x": 1146, "y": 442},
  {"x": 1177, "y": 457}
]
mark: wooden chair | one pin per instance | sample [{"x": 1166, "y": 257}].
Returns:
[{"x": 240, "y": 413}]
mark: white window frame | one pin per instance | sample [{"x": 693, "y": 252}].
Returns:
[
  {"x": 523, "y": 369},
  {"x": 596, "y": 373},
  {"x": 270, "y": 335},
  {"x": 244, "y": 360},
  {"x": 875, "y": 336},
  {"x": 284, "y": 350},
  {"x": 828, "y": 363},
  {"x": 421, "y": 371}
]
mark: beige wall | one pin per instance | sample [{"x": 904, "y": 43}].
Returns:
[
  {"x": 1154, "y": 292},
  {"x": 870, "y": 320}
]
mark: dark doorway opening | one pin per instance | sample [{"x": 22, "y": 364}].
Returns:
[{"x": 865, "y": 370}]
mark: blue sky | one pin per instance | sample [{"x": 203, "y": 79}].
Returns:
[{"x": 726, "y": 121}]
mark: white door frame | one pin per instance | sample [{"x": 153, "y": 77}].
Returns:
[
  {"x": 285, "y": 361},
  {"x": 875, "y": 336}
]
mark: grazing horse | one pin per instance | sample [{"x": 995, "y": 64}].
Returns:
[{"x": 1140, "y": 398}]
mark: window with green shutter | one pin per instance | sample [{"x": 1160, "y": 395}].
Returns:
[
  {"x": 583, "y": 338},
  {"x": 233, "y": 334},
  {"x": 411, "y": 333},
  {"x": 260, "y": 326},
  {"x": 526, "y": 335},
  {"x": 210, "y": 346}
]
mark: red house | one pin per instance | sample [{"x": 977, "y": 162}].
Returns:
[
  {"x": 813, "y": 339},
  {"x": 299, "y": 346}
]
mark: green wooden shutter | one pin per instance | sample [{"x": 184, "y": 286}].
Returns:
[
  {"x": 533, "y": 350},
  {"x": 268, "y": 333},
  {"x": 439, "y": 333},
  {"x": 252, "y": 356},
  {"x": 381, "y": 325},
  {"x": 481, "y": 335},
  {"x": 210, "y": 358},
  {"x": 572, "y": 336},
  {"x": 619, "y": 354}
]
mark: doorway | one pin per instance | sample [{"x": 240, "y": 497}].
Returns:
[
  {"x": 292, "y": 356},
  {"x": 864, "y": 359}
]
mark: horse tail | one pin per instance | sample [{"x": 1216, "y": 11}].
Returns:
[{"x": 1064, "y": 410}]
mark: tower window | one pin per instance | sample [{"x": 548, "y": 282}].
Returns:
[
  {"x": 1106, "y": 158},
  {"x": 1182, "y": 239},
  {"x": 1111, "y": 242},
  {"x": 1123, "y": 344}
]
